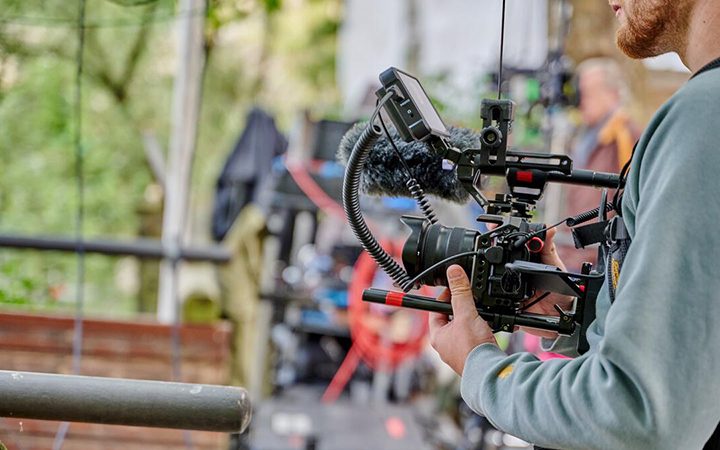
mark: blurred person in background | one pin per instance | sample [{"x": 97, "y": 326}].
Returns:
[{"x": 604, "y": 143}]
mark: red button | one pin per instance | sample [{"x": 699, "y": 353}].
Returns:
[{"x": 535, "y": 245}]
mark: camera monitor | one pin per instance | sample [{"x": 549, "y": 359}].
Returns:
[{"x": 410, "y": 108}]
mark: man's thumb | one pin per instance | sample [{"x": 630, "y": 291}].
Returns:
[{"x": 461, "y": 294}]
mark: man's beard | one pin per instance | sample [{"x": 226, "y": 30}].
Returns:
[{"x": 654, "y": 27}]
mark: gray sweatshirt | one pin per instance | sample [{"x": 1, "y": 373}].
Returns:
[{"x": 651, "y": 379}]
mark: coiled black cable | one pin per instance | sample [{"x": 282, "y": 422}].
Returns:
[
  {"x": 588, "y": 215},
  {"x": 412, "y": 184},
  {"x": 422, "y": 201},
  {"x": 351, "y": 204}
]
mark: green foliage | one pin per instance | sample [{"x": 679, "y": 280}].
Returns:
[
  {"x": 38, "y": 179},
  {"x": 305, "y": 56},
  {"x": 15, "y": 287},
  {"x": 38, "y": 183},
  {"x": 278, "y": 54},
  {"x": 132, "y": 2},
  {"x": 272, "y": 6}
]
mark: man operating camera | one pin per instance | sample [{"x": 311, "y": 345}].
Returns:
[{"x": 651, "y": 379}]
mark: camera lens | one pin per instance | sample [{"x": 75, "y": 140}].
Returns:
[{"x": 429, "y": 244}]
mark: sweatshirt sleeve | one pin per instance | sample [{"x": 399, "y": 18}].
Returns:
[{"x": 653, "y": 379}]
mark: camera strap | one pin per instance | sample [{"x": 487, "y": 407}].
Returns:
[
  {"x": 613, "y": 237},
  {"x": 714, "y": 64},
  {"x": 597, "y": 233},
  {"x": 617, "y": 245}
]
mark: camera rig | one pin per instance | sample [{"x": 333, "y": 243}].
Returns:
[{"x": 503, "y": 264}]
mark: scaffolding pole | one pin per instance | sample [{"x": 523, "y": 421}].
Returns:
[{"x": 118, "y": 401}]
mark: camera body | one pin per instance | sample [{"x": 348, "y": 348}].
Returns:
[{"x": 495, "y": 287}]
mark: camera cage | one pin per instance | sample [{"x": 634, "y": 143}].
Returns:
[{"x": 527, "y": 174}]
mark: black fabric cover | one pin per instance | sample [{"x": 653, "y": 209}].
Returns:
[{"x": 247, "y": 166}]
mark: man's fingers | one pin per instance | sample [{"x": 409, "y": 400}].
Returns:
[
  {"x": 549, "y": 253},
  {"x": 461, "y": 293},
  {"x": 550, "y": 234},
  {"x": 439, "y": 320},
  {"x": 549, "y": 247}
]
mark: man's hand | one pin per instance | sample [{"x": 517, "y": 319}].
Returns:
[
  {"x": 546, "y": 306},
  {"x": 455, "y": 339}
]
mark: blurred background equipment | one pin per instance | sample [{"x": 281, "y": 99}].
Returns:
[{"x": 246, "y": 169}]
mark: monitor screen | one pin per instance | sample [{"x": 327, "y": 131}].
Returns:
[{"x": 421, "y": 100}]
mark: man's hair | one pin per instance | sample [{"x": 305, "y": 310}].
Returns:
[{"x": 613, "y": 76}]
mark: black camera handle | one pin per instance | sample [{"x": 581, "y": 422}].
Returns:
[{"x": 584, "y": 286}]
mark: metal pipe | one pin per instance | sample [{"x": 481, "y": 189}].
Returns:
[
  {"x": 423, "y": 303},
  {"x": 583, "y": 177},
  {"x": 142, "y": 248},
  {"x": 118, "y": 401}
]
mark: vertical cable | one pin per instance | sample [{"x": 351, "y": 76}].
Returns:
[
  {"x": 412, "y": 185},
  {"x": 80, "y": 192},
  {"x": 176, "y": 341},
  {"x": 502, "y": 48},
  {"x": 79, "y": 215}
]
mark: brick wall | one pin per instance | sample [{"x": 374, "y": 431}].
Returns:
[{"x": 139, "y": 350}]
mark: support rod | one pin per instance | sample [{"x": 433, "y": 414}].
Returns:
[
  {"x": 117, "y": 401},
  {"x": 142, "y": 248},
  {"x": 185, "y": 119},
  {"x": 562, "y": 325}
]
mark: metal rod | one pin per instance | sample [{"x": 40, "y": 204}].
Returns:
[
  {"x": 584, "y": 177},
  {"x": 142, "y": 248},
  {"x": 184, "y": 120},
  {"x": 423, "y": 303},
  {"x": 118, "y": 401}
]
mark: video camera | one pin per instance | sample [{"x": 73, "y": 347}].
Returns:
[{"x": 504, "y": 263}]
